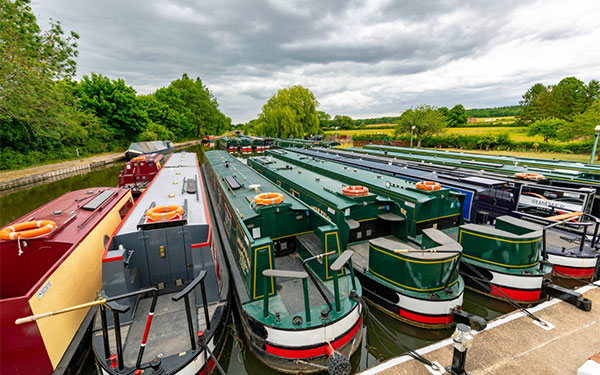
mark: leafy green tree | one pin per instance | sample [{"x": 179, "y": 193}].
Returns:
[
  {"x": 427, "y": 120},
  {"x": 547, "y": 128},
  {"x": 36, "y": 109},
  {"x": 155, "y": 132},
  {"x": 292, "y": 112},
  {"x": 444, "y": 111},
  {"x": 344, "y": 122},
  {"x": 535, "y": 104},
  {"x": 115, "y": 104},
  {"x": 457, "y": 116},
  {"x": 583, "y": 124}
]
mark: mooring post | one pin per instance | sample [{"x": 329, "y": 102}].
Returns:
[{"x": 463, "y": 340}]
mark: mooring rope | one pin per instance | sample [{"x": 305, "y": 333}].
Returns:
[{"x": 394, "y": 336}]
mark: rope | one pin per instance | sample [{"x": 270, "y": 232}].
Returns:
[
  {"x": 506, "y": 298},
  {"x": 393, "y": 336},
  {"x": 321, "y": 367}
]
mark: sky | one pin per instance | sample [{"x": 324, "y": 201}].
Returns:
[{"x": 359, "y": 58}]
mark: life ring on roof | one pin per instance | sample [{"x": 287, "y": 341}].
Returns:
[
  {"x": 138, "y": 158},
  {"x": 168, "y": 212},
  {"x": 265, "y": 199},
  {"x": 428, "y": 185},
  {"x": 355, "y": 191},
  {"x": 530, "y": 176},
  {"x": 28, "y": 229}
]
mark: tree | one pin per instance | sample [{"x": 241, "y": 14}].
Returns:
[
  {"x": 344, "y": 122},
  {"x": 292, "y": 112},
  {"x": 583, "y": 124},
  {"x": 457, "y": 116},
  {"x": 426, "y": 120},
  {"x": 547, "y": 128},
  {"x": 35, "y": 107},
  {"x": 115, "y": 104}
]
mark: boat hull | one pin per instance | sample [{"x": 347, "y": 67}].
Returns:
[
  {"x": 421, "y": 312},
  {"x": 573, "y": 266},
  {"x": 524, "y": 287}
]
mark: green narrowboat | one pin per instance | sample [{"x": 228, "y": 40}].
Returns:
[
  {"x": 416, "y": 283},
  {"x": 593, "y": 169},
  {"x": 229, "y": 144},
  {"x": 245, "y": 144},
  {"x": 440, "y": 209},
  {"x": 297, "y": 303}
]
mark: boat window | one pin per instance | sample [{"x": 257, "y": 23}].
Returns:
[
  {"x": 125, "y": 208},
  {"x": 294, "y": 193}
]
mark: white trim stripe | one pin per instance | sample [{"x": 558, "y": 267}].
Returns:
[
  {"x": 559, "y": 260},
  {"x": 517, "y": 281},
  {"x": 440, "y": 307}
]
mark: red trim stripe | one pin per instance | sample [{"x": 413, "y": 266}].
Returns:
[
  {"x": 446, "y": 319},
  {"x": 147, "y": 329},
  {"x": 575, "y": 272},
  {"x": 518, "y": 295},
  {"x": 197, "y": 245},
  {"x": 313, "y": 352}
]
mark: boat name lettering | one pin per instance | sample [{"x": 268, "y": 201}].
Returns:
[
  {"x": 409, "y": 204},
  {"x": 44, "y": 290},
  {"x": 320, "y": 211}
]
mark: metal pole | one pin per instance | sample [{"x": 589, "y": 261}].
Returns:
[
  {"x": 594, "y": 148},
  {"x": 266, "y": 297},
  {"x": 336, "y": 289},
  {"x": 412, "y": 130},
  {"x": 188, "y": 314},
  {"x": 306, "y": 299}
]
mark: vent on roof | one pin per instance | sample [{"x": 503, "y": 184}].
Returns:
[{"x": 98, "y": 200}]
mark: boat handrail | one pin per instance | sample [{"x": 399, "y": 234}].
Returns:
[
  {"x": 185, "y": 295},
  {"x": 271, "y": 274},
  {"x": 337, "y": 265},
  {"x": 313, "y": 278},
  {"x": 117, "y": 309}
]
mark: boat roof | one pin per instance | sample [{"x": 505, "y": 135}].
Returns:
[
  {"x": 167, "y": 188},
  {"x": 150, "y": 146},
  {"x": 75, "y": 213},
  {"x": 391, "y": 166},
  {"x": 240, "y": 197},
  {"x": 316, "y": 183},
  {"x": 396, "y": 184}
]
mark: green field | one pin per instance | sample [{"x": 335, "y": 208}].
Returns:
[{"x": 516, "y": 134}]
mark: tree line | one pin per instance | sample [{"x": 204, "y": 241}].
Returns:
[{"x": 47, "y": 115}]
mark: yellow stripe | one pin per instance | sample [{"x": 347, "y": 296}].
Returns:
[
  {"x": 408, "y": 287},
  {"x": 497, "y": 238},
  {"x": 414, "y": 261},
  {"x": 292, "y": 235},
  {"x": 436, "y": 218},
  {"x": 270, "y": 265},
  {"x": 500, "y": 264}
]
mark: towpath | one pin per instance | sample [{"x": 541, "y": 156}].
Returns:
[{"x": 28, "y": 177}]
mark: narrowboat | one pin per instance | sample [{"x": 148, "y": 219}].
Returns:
[
  {"x": 439, "y": 208},
  {"x": 299, "y": 306},
  {"x": 593, "y": 169},
  {"x": 485, "y": 198},
  {"x": 245, "y": 145},
  {"x": 164, "y": 270},
  {"x": 417, "y": 283},
  {"x": 139, "y": 171},
  {"x": 208, "y": 141},
  {"x": 436, "y": 214},
  {"x": 149, "y": 147},
  {"x": 42, "y": 258},
  {"x": 258, "y": 145},
  {"x": 230, "y": 144}
]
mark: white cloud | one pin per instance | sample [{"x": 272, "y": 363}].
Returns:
[{"x": 359, "y": 58}]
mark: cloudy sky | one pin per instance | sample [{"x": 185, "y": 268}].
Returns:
[{"x": 359, "y": 58}]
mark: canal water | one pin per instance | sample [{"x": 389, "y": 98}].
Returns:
[{"x": 377, "y": 345}]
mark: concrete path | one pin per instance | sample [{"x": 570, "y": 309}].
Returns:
[{"x": 514, "y": 345}]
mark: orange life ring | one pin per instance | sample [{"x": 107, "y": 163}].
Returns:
[
  {"x": 265, "y": 199},
  {"x": 168, "y": 212},
  {"x": 428, "y": 185},
  {"x": 138, "y": 158},
  {"x": 530, "y": 176},
  {"x": 355, "y": 191},
  {"x": 28, "y": 229}
]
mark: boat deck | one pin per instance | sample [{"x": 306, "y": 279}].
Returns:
[
  {"x": 290, "y": 290},
  {"x": 512, "y": 344},
  {"x": 168, "y": 333},
  {"x": 361, "y": 250}
]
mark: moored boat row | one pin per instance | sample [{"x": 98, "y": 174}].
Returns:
[{"x": 293, "y": 242}]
